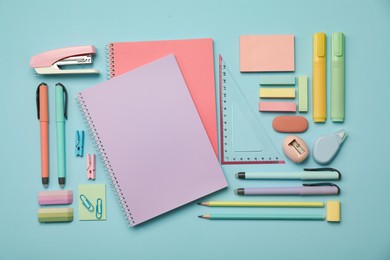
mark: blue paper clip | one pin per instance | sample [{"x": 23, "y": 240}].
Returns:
[
  {"x": 79, "y": 143},
  {"x": 87, "y": 204},
  {"x": 99, "y": 208}
]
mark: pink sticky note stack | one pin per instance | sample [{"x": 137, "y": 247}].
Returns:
[
  {"x": 261, "y": 53},
  {"x": 277, "y": 107}
]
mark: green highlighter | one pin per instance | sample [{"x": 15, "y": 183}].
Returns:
[{"x": 337, "y": 88}]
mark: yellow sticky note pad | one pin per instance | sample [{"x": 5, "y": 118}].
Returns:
[
  {"x": 277, "y": 92},
  {"x": 333, "y": 211},
  {"x": 92, "y": 202}
]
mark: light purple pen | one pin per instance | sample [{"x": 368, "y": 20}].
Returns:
[{"x": 305, "y": 190}]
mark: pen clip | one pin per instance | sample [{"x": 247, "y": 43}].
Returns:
[
  {"x": 338, "y": 44},
  {"x": 65, "y": 101},
  {"x": 320, "y": 184},
  {"x": 320, "y": 44},
  {"x": 38, "y": 100},
  {"x": 327, "y": 184},
  {"x": 323, "y": 169}
]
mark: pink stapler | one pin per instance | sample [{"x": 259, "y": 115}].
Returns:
[{"x": 49, "y": 62}]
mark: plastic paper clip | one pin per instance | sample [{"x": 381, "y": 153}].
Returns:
[
  {"x": 91, "y": 171},
  {"x": 99, "y": 208},
  {"x": 79, "y": 143},
  {"x": 87, "y": 204}
]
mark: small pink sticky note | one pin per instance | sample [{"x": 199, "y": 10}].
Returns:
[
  {"x": 266, "y": 53},
  {"x": 277, "y": 107}
]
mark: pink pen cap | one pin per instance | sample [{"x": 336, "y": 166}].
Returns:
[{"x": 57, "y": 197}]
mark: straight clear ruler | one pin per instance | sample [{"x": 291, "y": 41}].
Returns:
[{"x": 243, "y": 138}]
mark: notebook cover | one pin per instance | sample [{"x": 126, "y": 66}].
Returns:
[
  {"x": 196, "y": 61},
  {"x": 151, "y": 140}
]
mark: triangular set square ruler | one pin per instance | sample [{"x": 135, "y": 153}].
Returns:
[{"x": 243, "y": 138}]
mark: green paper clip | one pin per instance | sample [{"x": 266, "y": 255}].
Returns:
[{"x": 87, "y": 204}]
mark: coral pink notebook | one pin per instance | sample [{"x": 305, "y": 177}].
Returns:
[
  {"x": 196, "y": 61},
  {"x": 151, "y": 140}
]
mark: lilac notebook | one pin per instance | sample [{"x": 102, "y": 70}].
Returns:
[{"x": 151, "y": 140}]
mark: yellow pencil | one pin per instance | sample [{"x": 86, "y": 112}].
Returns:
[{"x": 295, "y": 204}]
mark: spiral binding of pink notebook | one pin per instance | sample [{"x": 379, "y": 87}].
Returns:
[{"x": 151, "y": 140}]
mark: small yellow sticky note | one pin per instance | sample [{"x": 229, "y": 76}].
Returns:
[
  {"x": 302, "y": 94},
  {"x": 333, "y": 211},
  {"x": 277, "y": 92},
  {"x": 92, "y": 202}
]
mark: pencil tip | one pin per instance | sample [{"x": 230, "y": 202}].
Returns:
[
  {"x": 200, "y": 216},
  {"x": 199, "y": 203}
]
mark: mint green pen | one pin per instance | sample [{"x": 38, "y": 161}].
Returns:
[
  {"x": 61, "y": 116},
  {"x": 337, "y": 88}
]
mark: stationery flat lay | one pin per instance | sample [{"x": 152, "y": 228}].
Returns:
[
  {"x": 194, "y": 130},
  {"x": 177, "y": 96}
]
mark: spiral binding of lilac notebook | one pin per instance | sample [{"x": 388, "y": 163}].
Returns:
[{"x": 151, "y": 140}]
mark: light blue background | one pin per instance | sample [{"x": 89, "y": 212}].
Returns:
[{"x": 31, "y": 27}]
